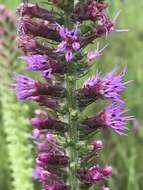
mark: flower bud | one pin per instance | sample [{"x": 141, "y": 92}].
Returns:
[
  {"x": 107, "y": 170},
  {"x": 97, "y": 145}
]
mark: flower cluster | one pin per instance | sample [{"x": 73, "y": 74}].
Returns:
[
  {"x": 50, "y": 162},
  {"x": 94, "y": 173},
  {"x": 59, "y": 131}
]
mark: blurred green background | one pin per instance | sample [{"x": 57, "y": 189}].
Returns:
[{"x": 124, "y": 153}]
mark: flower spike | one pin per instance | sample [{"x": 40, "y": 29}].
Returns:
[{"x": 67, "y": 155}]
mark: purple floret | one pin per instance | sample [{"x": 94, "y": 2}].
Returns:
[
  {"x": 36, "y": 62},
  {"x": 70, "y": 42},
  {"x": 25, "y": 87},
  {"x": 108, "y": 87},
  {"x": 112, "y": 117}
]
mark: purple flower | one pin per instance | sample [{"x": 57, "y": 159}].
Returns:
[
  {"x": 36, "y": 62},
  {"x": 108, "y": 87},
  {"x": 44, "y": 64},
  {"x": 25, "y": 87},
  {"x": 70, "y": 41},
  {"x": 111, "y": 117},
  {"x": 39, "y": 63}
]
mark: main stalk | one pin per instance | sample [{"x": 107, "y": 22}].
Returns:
[{"x": 72, "y": 132}]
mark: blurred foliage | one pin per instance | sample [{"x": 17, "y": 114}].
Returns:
[
  {"x": 124, "y": 153},
  {"x": 10, "y": 3},
  {"x": 16, "y": 153}
]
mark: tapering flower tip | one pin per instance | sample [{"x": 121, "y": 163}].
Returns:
[
  {"x": 107, "y": 170},
  {"x": 96, "y": 54},
  {"x": 36, "y": 62},
  {"x": 70, "y": 41},
  {"x": 104, "y": 188},
  {"x": 97, "y": 145},
  {"x": 108, "y": 87},
  {"x": 113, "y": 117},
  {"x": 25, "y": 87}
]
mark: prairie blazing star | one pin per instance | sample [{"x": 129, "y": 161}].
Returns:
[
  {"x": 70, "y": 41},
  {"x": 62, "y": 162}
]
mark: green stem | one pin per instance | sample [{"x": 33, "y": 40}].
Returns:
[
  {"x": 73, "y": 132},
  {"x": 72, "y": 120}
]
